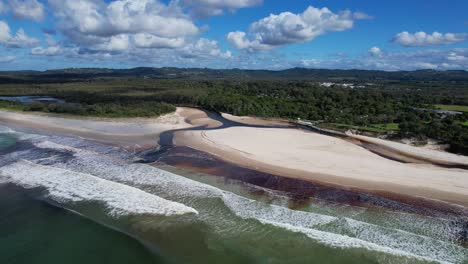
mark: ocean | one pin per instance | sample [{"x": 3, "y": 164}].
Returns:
[{"x": 68, "y": 200}]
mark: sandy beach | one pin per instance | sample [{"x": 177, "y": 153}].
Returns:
[
  {"x": 285, "y": 152},
  {"x": 416, "y": 153},
  {"x": 315, "y": 157},
  {"x": 124, "y": 132}
]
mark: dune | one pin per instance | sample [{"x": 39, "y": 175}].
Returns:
[
  {"x": 320, "y": 158},
  {"x": 418, "y": 153}
]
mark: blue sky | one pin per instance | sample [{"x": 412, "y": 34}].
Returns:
[{"x": 267, "y": 34}]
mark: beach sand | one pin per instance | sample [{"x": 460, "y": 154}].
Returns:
[
  {"x": 314, "y": 157},
  {"x": 136, "y": 133},
  {"x": 287, "y": 152},
  {"x": 417, "y": 153}
]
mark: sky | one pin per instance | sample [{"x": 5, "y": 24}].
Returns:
[{"x": 248, "y": 34}]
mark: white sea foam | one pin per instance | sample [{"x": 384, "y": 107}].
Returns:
[
  {"x": 330, "y": 230},
  {"x": 6, "y": 130},
  {"x": 341, "y": 241},
  {"x": 349, "y": 233},
  {"x": 18, "y": 135},
  {"x": 69, "y": 186},
  {"x": 138, "y": 174},
  {"x": 247, "y": 208}
]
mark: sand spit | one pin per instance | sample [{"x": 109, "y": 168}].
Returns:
[
  {"x": 126, "y": 132},
  {"x": 310, "y": 156},
  {"x": 417, "y": 153},
  {"x": 288, "y": 152}
]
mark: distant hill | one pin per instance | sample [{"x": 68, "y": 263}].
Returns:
[{"x": 205, "y": 73}]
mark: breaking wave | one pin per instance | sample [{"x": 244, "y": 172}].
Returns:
[
  {"x": 68, "y": 186},
  {"x": 100, "y": 173}
]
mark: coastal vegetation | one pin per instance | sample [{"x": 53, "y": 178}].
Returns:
[
  {"x": 392, "y": 103},
  {"x": 460, "y": 108}
]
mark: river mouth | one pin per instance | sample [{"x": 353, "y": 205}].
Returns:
[
  {"x": 301, "y": 192},
  {"x": 242, "y": 216}
]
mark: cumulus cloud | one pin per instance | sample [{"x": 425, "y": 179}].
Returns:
[
  {"x": 375, "y": 51},
  {"x": 362, "y": 15},
  {"x": 421, "y": 38},
  {"x": 19, "y": 40},
  {"x": 47, "y": 51},
  {"x": 144, "y": 40},
  {"x": 127, "y": 29},
  {"x": 97, "y": 18},
  {"x": 204, "y": 48},
  {"x": 7, "y": 59},
  {"x": 27, "y": 9},
  {"x": 285, "y": 28},
  {"x": 205, "y": 8},
  {"x": 455, "y": 59}
]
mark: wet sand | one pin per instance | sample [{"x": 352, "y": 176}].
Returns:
[
  {"x": 328, "y": 160},
  {"x": 135, "y": 133},
  {"x": 301, "y": 191},
  {"x": 412, "y": 153},
  {"x": 267, "y": 146}
]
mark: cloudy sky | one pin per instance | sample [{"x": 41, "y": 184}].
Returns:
[{"x": 254, "y": 34}]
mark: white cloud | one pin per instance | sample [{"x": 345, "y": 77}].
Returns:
[
  {"x": 144, "y": 40},
  {"x": 375, "y": 51},
  {"x": 128, "y": 29},
  {"x": 424, "y": 39},
  {"x": 204, "y": 48},
  {"x": 286, "y": 28},
  {"x": 19, "y": 40},
  {"x": 116, "y": 43},
  {"x": 27, "y": 9},
  {"x": 97, "y": 18},
  {"x": 205, "y": 8},
  {"x": 361, "y": 15},
  {"x": 455, "y": 59},
  {"x": 7, "y": 59},
  {"x": 239, "y": 40},
  {"x": 47, "y": 51}
]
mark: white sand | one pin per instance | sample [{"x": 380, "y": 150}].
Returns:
[
  {"x": 311, "y": 156},
  {"x": 125, "y": 132},
  {"x": 421, "y": 152},
  {"x": 287, "y": 152},
  {"x": 106, "y": 126}
]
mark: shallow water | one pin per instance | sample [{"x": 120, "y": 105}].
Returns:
[
  {"x": 152, "y": 215},
  {"x": 32, "y": 231}
]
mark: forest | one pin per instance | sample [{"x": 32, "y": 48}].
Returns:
[{"x": 399, "y": 104}]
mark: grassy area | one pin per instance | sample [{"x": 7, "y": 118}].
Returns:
[
  {"x": 387, "y": 127},
  {"x": 465, "y": 123},
  {"x": 106, "y": 109},
  {"x": 11, "y": 106},
  {"x": 460, "y": 108},
  {"x": 374, "y": 128}
]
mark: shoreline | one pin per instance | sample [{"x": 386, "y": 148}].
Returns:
[
  {"x": 344, "y": 164},
  {"x": 420, "y": 154},
  {"x": 129, "y": 133},
  {"x": 359, "y": 168},
  {"x": 301, "y": 191}
]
